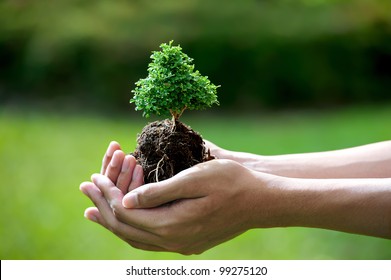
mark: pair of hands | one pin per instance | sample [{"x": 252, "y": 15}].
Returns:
[
  {"x": 189, "y": 213},
  {"x": 347, "y": 190}
]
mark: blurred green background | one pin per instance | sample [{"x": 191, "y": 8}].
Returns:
[{"x": 295, "y": 76}]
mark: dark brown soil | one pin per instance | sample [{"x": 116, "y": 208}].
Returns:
[{"x": 164, "y": 150}]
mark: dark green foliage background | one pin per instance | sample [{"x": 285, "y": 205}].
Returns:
[{"x": 265, "y": 54}]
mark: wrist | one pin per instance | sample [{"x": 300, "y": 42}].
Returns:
[
  {"x": 285, "y": 202},
  {"x": 271, "y": 201}
]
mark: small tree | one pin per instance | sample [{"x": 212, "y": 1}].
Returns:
[{"x": 172, "y": 85}]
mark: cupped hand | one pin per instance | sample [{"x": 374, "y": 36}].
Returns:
[
  {"x": 122, "y": 170},
  {"x": 189, "y": 213}
]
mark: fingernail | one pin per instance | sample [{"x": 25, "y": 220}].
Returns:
[
  {"x": 130, "y": 200},
  {"x": 126, "y": 164}
]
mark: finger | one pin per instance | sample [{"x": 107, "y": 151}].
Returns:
[
  {"x": 107, "y": 218},
  {"x": 156, "y": 194},
  {"x": 96, "y": 196},
  {"x": 137, "y": 178},
  {"x": 125, "y": 176},
  {"x": 113, "y": 146},
  {"x": 86, "y": 186},
  {"x": 110, "y": 192},
  {"x": 142, "y": 219},
  {"x": 114, "y": 168},
  {"x": 114, "y": 197},
  {"x": 93, "y": 214}
]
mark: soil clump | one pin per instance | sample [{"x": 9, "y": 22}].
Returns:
[{"x": 164, "y": 149}]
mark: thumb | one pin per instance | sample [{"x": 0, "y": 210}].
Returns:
[{"x": 156, "y": 194}]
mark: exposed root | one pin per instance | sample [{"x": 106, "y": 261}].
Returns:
[{"x": 157, "y": 168}]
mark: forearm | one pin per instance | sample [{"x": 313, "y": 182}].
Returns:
[
  {"x": 361, "y": 206},
  {"x": 368, "y": 161}
]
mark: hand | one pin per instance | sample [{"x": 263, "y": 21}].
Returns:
[
  {"x": 120, "y": 169},
  {"x": 214, "y": 201},
  {"x": 189, "y": 213}
]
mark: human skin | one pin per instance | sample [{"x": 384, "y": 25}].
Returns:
[
  {"x": 215, "y": 201},
  {"x": 367, "y": 161}
]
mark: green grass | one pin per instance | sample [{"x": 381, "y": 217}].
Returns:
[{"x": 44, "y": 157}]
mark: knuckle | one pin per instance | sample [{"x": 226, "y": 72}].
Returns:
[
  {"x": 146, "y": 196},
  {"x": 148, "y": 191}
]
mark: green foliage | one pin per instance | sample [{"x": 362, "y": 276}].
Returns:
[
  {"x": 284, "y": 53},
  {"x": 172, "y": 85}
]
